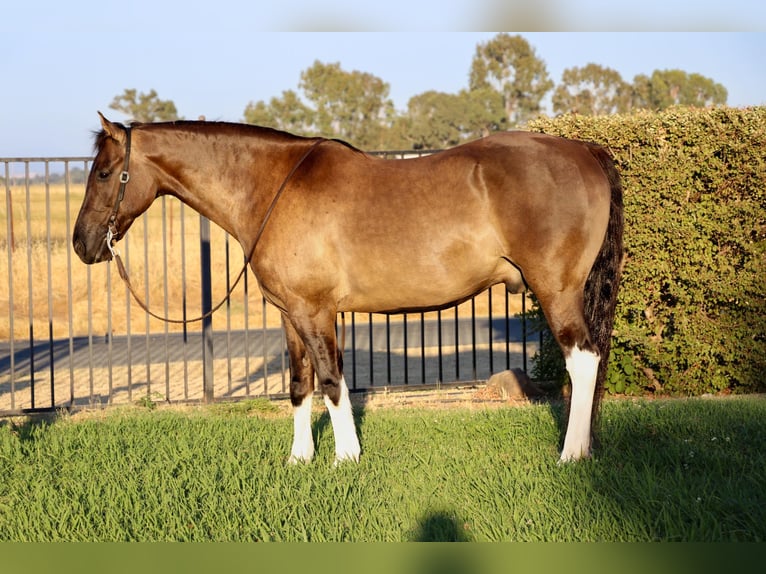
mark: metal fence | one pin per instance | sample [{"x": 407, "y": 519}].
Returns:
[{"x": 71, "y": 335}]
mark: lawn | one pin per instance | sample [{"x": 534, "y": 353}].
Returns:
[{"x": 667, "y": 470}]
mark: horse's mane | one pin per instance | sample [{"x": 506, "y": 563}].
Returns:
[{"x": 191, "y": 126}]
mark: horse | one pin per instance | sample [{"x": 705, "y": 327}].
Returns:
[{"x": 327, "y": 228}]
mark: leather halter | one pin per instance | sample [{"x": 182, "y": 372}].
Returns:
[{"x": 111, "y": 229}]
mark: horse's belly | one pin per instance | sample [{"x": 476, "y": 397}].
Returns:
[{"x": 414, "y": 287}]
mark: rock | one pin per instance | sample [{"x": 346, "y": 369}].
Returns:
[{"x": 514, "y": 385}]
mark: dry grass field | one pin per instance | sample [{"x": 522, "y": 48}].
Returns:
[{"x": 50, "y": 291}]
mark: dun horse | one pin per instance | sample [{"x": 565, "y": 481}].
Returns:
[{"x": 328, "y": 228}]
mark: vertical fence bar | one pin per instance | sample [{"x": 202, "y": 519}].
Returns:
[
  {"x": 473, "y": 337},
  {"x": 388, "y": 349},
  {"x": 89, "y": 276},
  {"x": 128, "y": 329},
  {"x": 68, "y": 218},
  {"x": 372, "y": 369},
  {"x": 165, "y": 324},
  {"x": 439, "y": 345},
  {"x": 246, "y": 312},
  {"x": 457, "y": 344},
  {"x": 282, "y": 345},
  {"x": 490, "y": 333},
  {"x": 507, "y": 331},
  {"x": 406, "y": 349},
  {"x": 185, "y": 328},
  {"x": 49, "y": 244},
  {"x": 30, "y": 284},
  {"x": 109, "y": 337},
  {"x": 265, "y": 349},
  {"x": 423, "y": 348},
  {"x": 147, "y": 320},
  {"x": 207, "y": 305},
  {"x": 524, "y": 328},
  {"x": 353, "y": 350},
  {"x": 229, "y": 379},
  {"x": 10, "y": 248}
]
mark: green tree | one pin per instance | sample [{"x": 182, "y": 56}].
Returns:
[
  {"x": 509, "y": 65},
  {"x": 667, "y": 88},
  {"x": 353, "y": 106},
  {"x": 287, "y": 113},
  {"x": 432, "y": 120},
  {"x": 592, "y": 91},
  {"x": 145, "y": 107},
  {"x": 436, "y": 120},
  {"x": 483, "y": 112}
]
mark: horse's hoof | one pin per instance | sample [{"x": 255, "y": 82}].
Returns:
[
  {"x": 341, "y": 459},
  {"x": 572, "y": 457},
  {"x": 296, "y": 460}
]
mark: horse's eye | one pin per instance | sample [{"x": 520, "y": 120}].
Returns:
[{"x": 104, "y": 175}]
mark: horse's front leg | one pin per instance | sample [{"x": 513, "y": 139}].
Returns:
[
  {"x": 318, "y": 335},
  {"x": 301, "y": 395},
  {"x": 338, "y": 404}
]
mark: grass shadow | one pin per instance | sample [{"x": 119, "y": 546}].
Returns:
[
  {"x": 441, "y": 526},
  {"x": 26, "y": 426},
  {"x": 685, "y": 470}
]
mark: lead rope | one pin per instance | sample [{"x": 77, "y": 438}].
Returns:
[{"x": 124, "y": 177}]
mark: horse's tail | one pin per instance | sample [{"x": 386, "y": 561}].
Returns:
[{"x": 604, "y": 278}]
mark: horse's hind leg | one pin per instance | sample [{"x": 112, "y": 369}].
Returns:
[
  {"x": 582, "y": 366},
  {"x": 566, "y": 318},
  {"x": 318, "y": 336},
  {"x": 301, "y": 395}
]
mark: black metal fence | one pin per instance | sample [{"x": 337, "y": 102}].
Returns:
[{"x": 71, "y": 335}]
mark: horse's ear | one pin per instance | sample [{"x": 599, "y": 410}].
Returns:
[{"x": 112, "y": 129}]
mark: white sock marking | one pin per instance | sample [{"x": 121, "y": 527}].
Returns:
[
  {"x": 583, "y": 368},
  {"x": 303, "y": 440},
  {"x": 342, "y": 417}
]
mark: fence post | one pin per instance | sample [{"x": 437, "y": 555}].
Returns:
[{"x": 207, "y": 305}]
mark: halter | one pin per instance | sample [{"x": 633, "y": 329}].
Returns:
[{"x": 111, "y": 229}]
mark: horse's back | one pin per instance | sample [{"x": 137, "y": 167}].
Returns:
[{"x": 531, "y": 188}]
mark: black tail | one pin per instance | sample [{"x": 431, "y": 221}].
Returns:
[{"x": 604, "y": 278}]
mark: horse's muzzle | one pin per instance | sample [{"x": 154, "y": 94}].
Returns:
[{"x": 90, "y": 250}]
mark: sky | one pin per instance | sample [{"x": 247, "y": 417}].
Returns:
[{"x": 64, "y": 61}]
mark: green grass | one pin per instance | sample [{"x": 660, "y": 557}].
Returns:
[{"x": 689, "y": 470}]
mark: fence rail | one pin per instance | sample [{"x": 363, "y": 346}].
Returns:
[{"x": 74, "y": 338}]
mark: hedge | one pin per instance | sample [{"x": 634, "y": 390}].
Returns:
[{"x": 691, "y": 315}]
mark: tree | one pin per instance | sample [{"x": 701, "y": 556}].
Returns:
[
  {"x": 667, "y": 88},
  {"x": 432, "y": 120},
  {"x": 483, "y": 112},
  {"x": 592, "y": 90},
  {"x": 436, "y": 120},
  {"x": 144, "y": 107},
  {"x": 287, "y": 113},
  {"x": 509, "y": 65},
  {"x": 352, "y": 106}
]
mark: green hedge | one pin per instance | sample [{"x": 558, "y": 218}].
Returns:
[{"x": 691, "y": 315}]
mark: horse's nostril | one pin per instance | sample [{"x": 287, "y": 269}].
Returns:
[{"x": 79, "y": 248}]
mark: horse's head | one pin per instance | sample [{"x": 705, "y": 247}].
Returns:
[{"x": 120, "y": 188}]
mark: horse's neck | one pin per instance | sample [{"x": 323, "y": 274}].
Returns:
[{"x": 234, "y": 183}]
